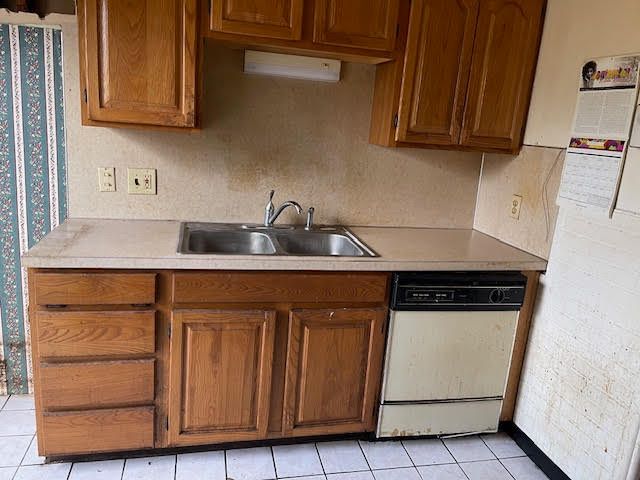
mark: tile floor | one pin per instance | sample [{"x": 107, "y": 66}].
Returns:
[{"x": 486, "y": 457}]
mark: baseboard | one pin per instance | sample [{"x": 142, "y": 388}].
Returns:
[{"x": 538, "y": 457}]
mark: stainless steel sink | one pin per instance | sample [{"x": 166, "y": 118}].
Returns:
[
  {"x": 240, "y": 243},
  {"x": 216, "y": 239},
  {"x": 319, "y": 243}
]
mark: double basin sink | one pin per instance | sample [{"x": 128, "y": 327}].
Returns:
[{"x": 231, "y": 239}]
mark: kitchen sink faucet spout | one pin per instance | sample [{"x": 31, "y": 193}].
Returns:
[{"x": 270, "y": 216}]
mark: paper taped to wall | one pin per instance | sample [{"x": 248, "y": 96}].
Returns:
[
  {"x": 629, "y": 199},
  {"x": 600, "y": 136},
  {"x": 604, "y": 113},
  {"x": 590, "y": 179},
  {"x": 635, "y": 130}
]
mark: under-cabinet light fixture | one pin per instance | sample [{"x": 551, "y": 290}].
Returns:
[{"x": 292, "y": 66}]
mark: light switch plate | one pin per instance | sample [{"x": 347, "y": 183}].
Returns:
[
  {"x": 516, "y": 204},
  {"x": 106, "y": 179},
  {"x": 141, "y": 181}
]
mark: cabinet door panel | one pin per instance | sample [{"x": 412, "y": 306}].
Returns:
[
  {"x": 220, "y": 375},
  {"x": 436, "y": 70},
  {"x": 260, "y": 18},
  {"x": 333, "y": 370},
  {"x": 368, "y": 24},
  {"x": 140, "y": 60},
  {"x": 504, "y": 60}
]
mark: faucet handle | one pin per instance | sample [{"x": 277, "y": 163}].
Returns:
[{"x": 268, "y": 209}]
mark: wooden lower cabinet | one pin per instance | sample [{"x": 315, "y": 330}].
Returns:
[
  {"x": 220, "y": 375},
  {"x": 333, "y": 370},
  {"x": 134, "y": 360}
]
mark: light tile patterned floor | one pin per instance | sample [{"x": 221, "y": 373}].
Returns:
[{"x": 486, "y": 457}]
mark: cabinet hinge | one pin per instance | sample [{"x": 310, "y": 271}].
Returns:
[
  {"x": 395, "y": 121},
  {"x": 85, "y": 95},
  {"x": 166, "y": 422},
  {"x": 169, "y": 331}
]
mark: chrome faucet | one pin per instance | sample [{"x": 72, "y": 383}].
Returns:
[{"x": 270, "y": 216}]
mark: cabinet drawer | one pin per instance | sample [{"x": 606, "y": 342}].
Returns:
[
  {"x": 96, "y": 384},
  {"x": 94, "y": 334},
  {"x": 93, "y": 431},
  {"x": 203, "y": 287},
  {"x": 95, "y": 288}
]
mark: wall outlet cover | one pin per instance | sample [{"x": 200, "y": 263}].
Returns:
[
  {"x": 516, "y": 204},
  {"x": 106, "y": 179},
  {"x": 141, "y": 181}
]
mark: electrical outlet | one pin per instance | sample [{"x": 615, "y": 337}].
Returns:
[
  {"x": 516, "y": 203},
  {"x": 106, "y": 179},
  {"x": 141, "y": 181}
]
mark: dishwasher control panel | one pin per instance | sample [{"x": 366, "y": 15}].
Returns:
[{"x": 458, "y": 291}]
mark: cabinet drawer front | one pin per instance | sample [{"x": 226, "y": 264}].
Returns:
[
  {"x": 278, "y": 287},
  {"x": 95, "y": 288},
  {"x": 96, "y": 384},
  {"x": 95, "y": 431},
  {"x": 95, "y": 334}
]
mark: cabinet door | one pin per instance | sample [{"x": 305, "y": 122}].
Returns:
[
  {"x": 140, "y": 61},
  {"x": 220, "y": 375},
  {"x": 334, "y": 366},
  {"x": 260, "y": 18},
  {"x": 436, "y": 70},
  {"x": 367, "y": 24},
  {"x": 502, "y": 71}
]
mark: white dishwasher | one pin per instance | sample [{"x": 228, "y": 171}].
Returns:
[{"x": 448, "y": 352}]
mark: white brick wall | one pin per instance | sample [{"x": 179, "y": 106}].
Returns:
[{"x": 579, "y": 399}]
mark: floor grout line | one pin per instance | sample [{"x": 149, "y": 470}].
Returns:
[
  {"x": 365, "y": 457},
  {"x": 315, "y": 444},
  {"x": 453, "y": 456},
  {"x": 273, "y": 460},
  {"x": 226, "y": 472},
  {"x": 175, "y": 468}
]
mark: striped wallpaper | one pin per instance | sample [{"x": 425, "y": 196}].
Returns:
[{"x": 32, "y": 178}]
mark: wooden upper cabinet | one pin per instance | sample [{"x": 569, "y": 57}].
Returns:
[
  {"x": 436, "y": 70},
  {"x": 504, "y": 60},
  {"x": 261, "y": 18},
  {"x": 334, "y": 366},
  {"x": 139, "y": 61},
  {"x": 220, "y": 375},
  {"x": 366, "y": 24}
]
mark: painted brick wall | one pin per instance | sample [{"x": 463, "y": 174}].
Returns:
[{"x": 580, "y": 393}]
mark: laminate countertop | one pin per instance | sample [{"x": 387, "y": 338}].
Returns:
[{"x": 152, "y": 244}]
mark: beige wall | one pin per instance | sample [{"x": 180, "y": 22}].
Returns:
[
  {"x": 574, "y": 31},
  {"x": 535, "y": 175},
  {"x": 307, "y": 140}
]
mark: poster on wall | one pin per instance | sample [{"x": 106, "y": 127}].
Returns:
[
  {"x": 607, "y": 99},
  {"x": 635, "y": 130}
]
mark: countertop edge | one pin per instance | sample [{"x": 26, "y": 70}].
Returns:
[{"x": 252, "y": 264}]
